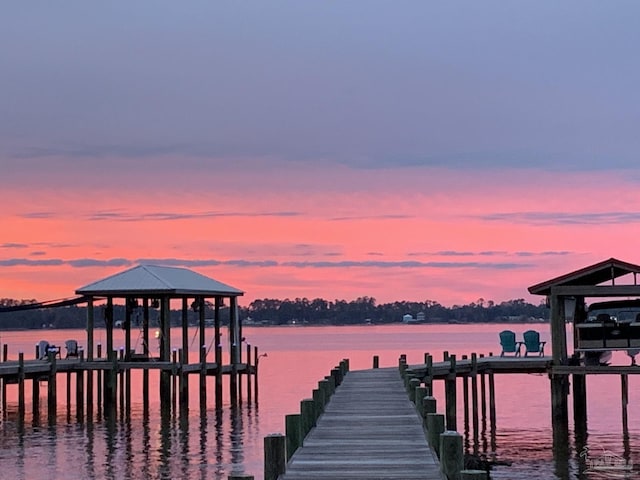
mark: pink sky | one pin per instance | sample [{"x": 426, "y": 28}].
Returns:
[
  {"x": 443, "y": 151},
  {"x": 292, "y": 231}
]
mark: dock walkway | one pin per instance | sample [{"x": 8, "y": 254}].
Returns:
[{"x": 369, "y": 430}]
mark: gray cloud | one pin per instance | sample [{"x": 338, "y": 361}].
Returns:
[
  {"x": 14, "y": 245},
  {"x": 555, "y": 218},
  {"x": 122, "y": 262}
]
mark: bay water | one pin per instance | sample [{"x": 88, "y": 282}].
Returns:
[{"x": 144, "y": 445}]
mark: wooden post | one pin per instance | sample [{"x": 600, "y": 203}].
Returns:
[
  {"x": 184, "y": 384},
  {"x": 376, "y": 361},
  {"x": 99, "y": 382},
  {"x": 624, "y": 384},
  {"x": 89, "y": 395},
  {"x": 121, "y": 382},
  {"x": 420, "y": 394},
  {"x": 68, "y": 396},
  {"x": 413, "y": 384},
  {"x": 492, "y": 401},
  {"x": 218, "y": 352},
  {"x": 248, "y": 375},
  {"x": 36, "y": 397},
  {"x": 483, "y": 400},
  {"x": 474, "y": 401},
  {"x": 21, "y": 386},
  {"x": 203, "y": 377},
  {"x": 234, "y": 352},
  {"x": 307, "y": 417},
  {"x": 174, "y": 380},
  {"x": 579, "y": 390},
  {"x": 292, "y": 430},
  {"x": 52, "y": 389},
  {"x": 274, "y": 456},
  {"x": 428, "y": 380},
  {"x": 80, "y": 394},
  {"x": 5, "y": 356},
  {"x": 255, "y": 372},
  {"x": 451, "y": 454},
  {"x": 90, "y": 327},
  {"x": 146, "y": 353},
  {"x": 318, "y": 398},
  {"x": 435, "y": 426},
  {"x": 450, "y": 395},
  {"x": 165, "y": 354},
  {"x": 559, "y": 383}
]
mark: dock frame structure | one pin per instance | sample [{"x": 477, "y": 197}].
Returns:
[
  {"x": 155, "y": 286},
  {"x": 566, "y": 296}
]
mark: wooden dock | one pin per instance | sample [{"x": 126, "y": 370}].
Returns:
[{"x": 369, "y": 430}]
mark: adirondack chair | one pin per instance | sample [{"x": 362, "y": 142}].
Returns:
[
  {"x": 72, "y": 348},
  {"x": 532, "y": 343},
  {"x": 508, "y": 343}
]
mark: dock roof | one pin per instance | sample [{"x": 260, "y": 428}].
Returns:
[
  {"x": 595, "y": 274},
  {"x": 150, "y": 280}
]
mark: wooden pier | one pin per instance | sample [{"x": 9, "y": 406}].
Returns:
[
  {"x": 104, "y": 384},
  {"x": 369, "y": 429}
]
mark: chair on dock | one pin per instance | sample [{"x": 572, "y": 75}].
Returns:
[
  {"x": 45, "y": 348},
  {"x": 508, "y": 343},
  {"x": 532, "y": 343},
  {"x": 72, "y": 348}
]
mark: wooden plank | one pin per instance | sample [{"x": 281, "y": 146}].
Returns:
[{"x": 369, "y": 430}]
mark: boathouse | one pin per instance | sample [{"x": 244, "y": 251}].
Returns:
[
  {"x": 566, "y": 296},
  {"x": 153, "y": 286}
]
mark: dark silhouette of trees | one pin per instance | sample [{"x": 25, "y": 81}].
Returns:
[{"x": 298, "y": 311}]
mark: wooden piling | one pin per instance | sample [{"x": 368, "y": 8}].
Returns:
[
  {"x": 450, "y": 395},
  {"x": 80, "y": 396},
  {"x": 308, "y": 417},
  {"x": 52, "y": 389},
  {"x": 274, "y": 456},
  {"x": 36, "y": 397},
  {"x": 121, "y": 383},
  {"x": 624, "y": 384},
  {"x": 99, "y": 382},
  {"x": 292, "y": 430},
  {"x": 5, "y": 356},
  {"x": 376, "y": 361},
  {"x": 492, "y": 400},
  {"x": 579, "y": 391},
  {"x": 428, "y": 379},
  {"x": 435, "y": 426},
  {"x": 184, "y": 382},
  {"x": 474, "y": 400},
  {"x": 256, "y": 359},
  {"x": 21, "y": 402},
  {"x": 248, "y": 375},
  {"x": 451, "y": 454},
  {"x": 203, "y": 377}
]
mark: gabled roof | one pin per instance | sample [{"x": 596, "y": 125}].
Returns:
[
  {"x": 589, "y": 276},
  {"x": 149, "y": 280}
]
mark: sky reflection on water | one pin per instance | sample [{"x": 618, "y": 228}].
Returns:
[{"x": 143, "y": 444}]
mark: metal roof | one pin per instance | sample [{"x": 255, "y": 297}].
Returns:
[
  {"x": 150, "y": 280},
  {"x": 596, "y": 274}
]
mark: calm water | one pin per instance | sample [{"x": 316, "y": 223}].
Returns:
[{"x": 142, "y": 445}]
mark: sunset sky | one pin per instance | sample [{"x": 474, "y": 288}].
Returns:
[{"x": 444, "y": 151}]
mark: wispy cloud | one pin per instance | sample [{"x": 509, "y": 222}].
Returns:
[
  {"x": 559, "y": 218},
  {"x": 14, "y": 245},
  {"x": 122, "y": 262}
]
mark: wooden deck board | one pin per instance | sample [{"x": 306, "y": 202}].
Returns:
[{"x": 369, "y": 430}]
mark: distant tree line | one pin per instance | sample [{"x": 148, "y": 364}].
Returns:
[{"x": 298, "y": 311}]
